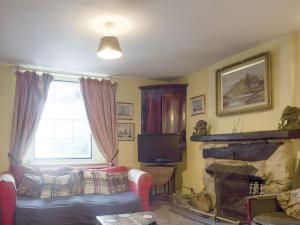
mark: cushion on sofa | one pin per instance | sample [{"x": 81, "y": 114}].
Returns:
[
  {"x": 96, "y": 182},
  {"x": 276, "y": 218},
  {"x": 30, "y": 186},
  {"x": 18, "y": 171},
  {"x": 118, "y": 182},
  {"x": 56, "y": 186},
  {"x": 74, "y": 210},
  {"x": 290, "y": 202}
]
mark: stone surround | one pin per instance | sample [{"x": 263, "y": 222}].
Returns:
[{"x": 278, "y": 170}]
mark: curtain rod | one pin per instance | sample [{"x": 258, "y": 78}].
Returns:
[{"x": 60, "y": 72}]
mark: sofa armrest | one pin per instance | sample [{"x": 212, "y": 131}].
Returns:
[
  {"x": 140, "y": 182},
  {"x": 8, "y": 196},
  {"x": 261, "y": 204}
]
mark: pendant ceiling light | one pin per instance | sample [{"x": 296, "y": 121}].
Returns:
[{"x": 109, "y": 47}]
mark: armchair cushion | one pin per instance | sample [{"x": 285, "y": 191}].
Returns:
[
  {"x": 118, "y": 182},
  {"x": 290, "y": 202}
]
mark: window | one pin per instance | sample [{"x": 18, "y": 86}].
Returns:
[{"x": 63, "y": 133}]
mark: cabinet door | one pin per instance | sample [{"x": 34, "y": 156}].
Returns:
[
  {"x": 151, "y": 115},
  {"x": 170, "y": 114}
]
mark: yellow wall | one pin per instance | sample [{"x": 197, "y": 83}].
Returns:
[
  {"x": 297, "y": 69},
  {"x": 7, "y": 90},
  {"x": 127, "y": 92},
  {"x": 284, "y": 67}
]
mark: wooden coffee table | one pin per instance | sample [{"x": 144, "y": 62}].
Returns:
[{"x": 140, "y": 218}]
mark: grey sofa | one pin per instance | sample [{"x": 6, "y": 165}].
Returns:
[
  {"x": 71, "y": 210},
  {"x": 75, "y": 210},
  {"x": 264, "y": 210}
]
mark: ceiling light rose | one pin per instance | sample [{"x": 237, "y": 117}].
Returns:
[{"x": 109, "y": 48}]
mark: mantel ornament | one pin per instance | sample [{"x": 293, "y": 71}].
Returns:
[
  {"x": 290, "y": 119},
  {"x": 200, "y": 128}
]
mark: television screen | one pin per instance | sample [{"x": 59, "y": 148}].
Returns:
[{"x": 162, "y": 148}]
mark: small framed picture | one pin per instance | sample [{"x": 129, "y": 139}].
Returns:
[
  {"x": 198, "y": 105},
  {"x": 125, "y": 131},
  {"x": 124, "y": 111}
]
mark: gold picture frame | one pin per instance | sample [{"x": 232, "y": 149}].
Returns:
[{"x": 244, "y": 86}]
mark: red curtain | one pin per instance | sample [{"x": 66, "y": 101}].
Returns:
[
  {"x": 100, "y": 103},
  {"x": 30, "y": 97}
]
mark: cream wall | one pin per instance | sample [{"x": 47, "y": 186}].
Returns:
[
  {"x": 297, "y": 69},
  {"x": 127, "y": 92},
  {"x": 285, "y": 83},
  {"x": 7, "y": 90}
]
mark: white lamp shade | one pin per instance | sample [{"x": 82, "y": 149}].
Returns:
[{"x": 109, "y": 48}]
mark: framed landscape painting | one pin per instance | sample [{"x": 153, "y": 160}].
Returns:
[
  {"x": 125, "y": 131},
  {"x": 244, "y": 86},
  {"x": 124, "y": 111},
  {"x": 198, "y": 105}
]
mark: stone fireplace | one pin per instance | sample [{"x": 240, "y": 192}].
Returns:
[
  {"x": 237, "y": 169},
  {"x": 237, "y": 166}
]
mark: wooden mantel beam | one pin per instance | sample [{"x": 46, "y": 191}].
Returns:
[{"x": 249, "y": 136}]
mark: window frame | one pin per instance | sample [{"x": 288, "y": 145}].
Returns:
[{"x": 96, "y": 158}]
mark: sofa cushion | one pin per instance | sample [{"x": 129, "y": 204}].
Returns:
[
  {"x": 276, "y": 218},
  {"x": 74, "y": 210},
  {"x": 56, "y": 186},
  {"x": 30, "y": 186},
  {"x": 96, "y": 182},
  {"x": 18, "y": 171},
  {"x": 118, "y": 182}
]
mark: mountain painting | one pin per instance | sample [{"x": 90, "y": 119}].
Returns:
[{"x": 243, "y": 87}]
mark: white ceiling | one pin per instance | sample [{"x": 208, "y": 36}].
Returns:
[{"x": 160, "y": 38}]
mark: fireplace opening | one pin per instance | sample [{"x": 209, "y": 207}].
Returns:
[{"x": 232, "y": 185}]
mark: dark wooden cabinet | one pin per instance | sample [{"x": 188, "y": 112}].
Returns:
[{"x": 163, "y": 109}]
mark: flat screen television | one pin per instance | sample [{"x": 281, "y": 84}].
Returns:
[{"x": 159, "y": 148}]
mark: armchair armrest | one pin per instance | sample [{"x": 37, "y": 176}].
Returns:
[
  {"x": 8, "y": 196},
  {"x": 140, "y": 182},
  {"x": 260, "y": 204}
]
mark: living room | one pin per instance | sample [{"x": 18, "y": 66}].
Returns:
[{"x": 163, "y": 43}]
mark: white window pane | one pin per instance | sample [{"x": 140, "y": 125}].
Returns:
[
  {"x": 78, "y": 111},
  {"x": 62, "y": 110},
  {"x": 81, "y": 149},
  {"x": 48, "y": 112},
  {"x": 44, "y": 148},
  {"x": 45, "y": 129},
  {"x": 63, "y": 148},
  {"x": 63, "y": 92},
  {"x": 62, "y": 129},
  {"x": 81, "y": 129}
]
